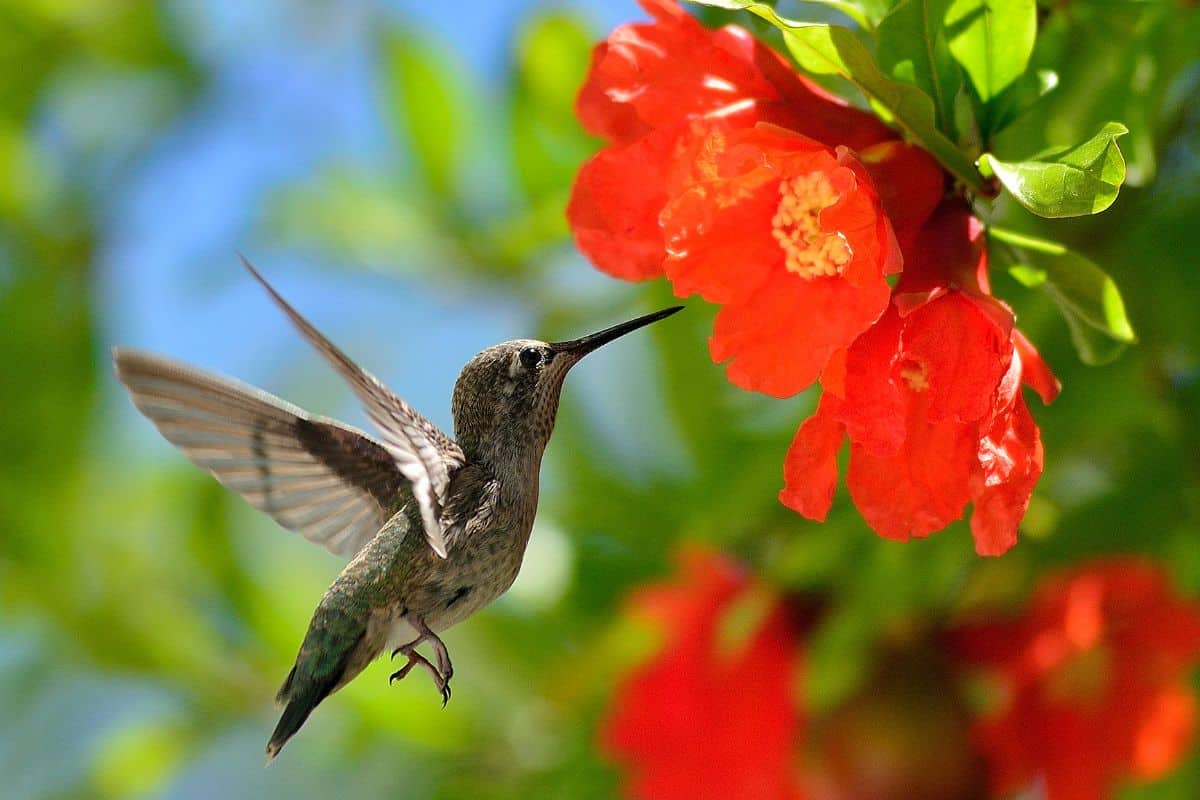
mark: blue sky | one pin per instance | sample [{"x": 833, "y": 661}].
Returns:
[{"x": 290, "y": 89}]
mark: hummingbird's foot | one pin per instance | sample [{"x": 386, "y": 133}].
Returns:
[
  {"x": 440, "y": 679},
  {"x": 402, "y": 673},
  {"x": 439, "y": 649},
  {"x": 444, "y": 669}
]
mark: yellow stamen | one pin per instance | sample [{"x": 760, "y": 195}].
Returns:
[{"x": 808, "y": 251}]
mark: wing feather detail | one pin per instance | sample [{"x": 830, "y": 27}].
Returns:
[
  {"x": 333, "y": 484},
  {"x": 424, "y": 454}
]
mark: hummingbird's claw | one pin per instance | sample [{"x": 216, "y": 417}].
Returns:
[
  {"x": 444, "y": 670},
  {"x": 413, "y": 660}
]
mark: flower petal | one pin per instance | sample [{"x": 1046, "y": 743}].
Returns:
[
  {"x": 781, "y": 337},
  {"x": 921, "y": 488},
  {"x": 875, "y": 410},
  {"x": 1010, "y": 463},
  {"x": 909, "y": 182},
  {"x": 615, "y": 204},
  {"x": 948, "y": 252},
  {"x": 810, "y": 470},
  {"x": 950, "y": 349},
  {"x": 658, "y": 74},
  {"x": 1036, "y": 372}
]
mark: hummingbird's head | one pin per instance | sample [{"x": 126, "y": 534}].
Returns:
[{"x": 507, "y": 395}]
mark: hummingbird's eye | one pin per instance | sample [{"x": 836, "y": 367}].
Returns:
[{"x": 531, "y": 357}]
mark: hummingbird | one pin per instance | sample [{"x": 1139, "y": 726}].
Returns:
[{"x": 435, "y": 527}]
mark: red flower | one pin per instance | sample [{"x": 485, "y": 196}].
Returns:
[
  {"x": 713, "y": 715},
  {"x": 646, "y": 83},
  {"x": 1094, "y": 682},
  {"x": 930, "y": 400},
  {"x": 791, "y": 210},
  {"x": 791, "y": 237}
]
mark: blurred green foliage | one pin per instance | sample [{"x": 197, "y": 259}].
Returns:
[{"x": 148, "y": 616}]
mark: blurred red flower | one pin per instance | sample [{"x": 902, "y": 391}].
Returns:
[
  {"x": 930, "y": 400},
  {"x": 1094, "y": 681},
  {"x": 646, "y": 84},
  {"x": 714, "y": 713}
]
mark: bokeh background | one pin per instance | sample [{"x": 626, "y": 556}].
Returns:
[{"x": 400, "y": 171}]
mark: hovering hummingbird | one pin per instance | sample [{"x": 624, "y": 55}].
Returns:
[{"x": 435, "y": 527}]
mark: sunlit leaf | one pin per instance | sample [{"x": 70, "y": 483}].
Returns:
[
  {"x": 912, "y": 47},
  {"x": 834, "y": 50},
  {"x": 1081, "y": 180},
  {"x": 1089, "y": 299},
  {"x": 993, "y": 40}
]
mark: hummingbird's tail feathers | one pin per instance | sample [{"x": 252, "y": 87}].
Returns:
[
  {"x": 331, "y": 655},
  {"x": 333, "y": 484},
  {"x": 294, "y": 716},
  {"x": 285, "y": 691}
]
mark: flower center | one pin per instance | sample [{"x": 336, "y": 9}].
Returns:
[
  {"x": 914, "y": 374},
  {"x": 808, "y": 251}
]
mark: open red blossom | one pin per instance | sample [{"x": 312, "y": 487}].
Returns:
[
  {"x": 646, "y": 84},
  {"x": 930, "y": 400},
  {"x": 713, "y": 714},
  {"x": 789, "y": 235},
  {"x": 1094, "y": 682}
]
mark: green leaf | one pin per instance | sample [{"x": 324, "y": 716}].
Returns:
[
  {"x": 428, "y": 105},
  {"x": 1021, "y": 96},
  {"x": 1027, "y": 276},
  {"x": 834, "y": 50},
  {"x": 1088, "y": 298},
  {"x": 993, "y": 40},
  {"x": 912, "y": 47},
  {"x": 548, "y": 145},
  {"x": 1080, "y": 180}
]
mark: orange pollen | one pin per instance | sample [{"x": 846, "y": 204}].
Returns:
[
  {"x": 915, "y": 375},
  {"x": 808, "y": 251}
]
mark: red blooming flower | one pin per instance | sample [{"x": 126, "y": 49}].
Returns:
[
  {"x": 726, "y": 159},
  {"x": 1094, "y": 682},
  {"x": 713, "y": 714},
  {"x": 930, "y": 400},
  {"x": 646, "y": 83},
  {"x": 790, "y": 236},
  {"x": 791, "y": 210}
]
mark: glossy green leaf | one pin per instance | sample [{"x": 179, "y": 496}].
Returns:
[
  {"x": 1088, "y": 298},
  {"x": 993, "y": 40},
  {"x": 428, "y": 106},
  {"x": 1080, "y": 180},
  {"x": 834, "y": 50},
  {"x": 911, "y": 46}
]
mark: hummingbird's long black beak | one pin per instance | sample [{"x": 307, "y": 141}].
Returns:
[{"x": 581, "y": 347}]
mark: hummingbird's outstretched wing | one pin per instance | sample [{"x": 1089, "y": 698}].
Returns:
[
  {"x": 331, "y": 483},
  {"x": 424, "y": 455}
]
